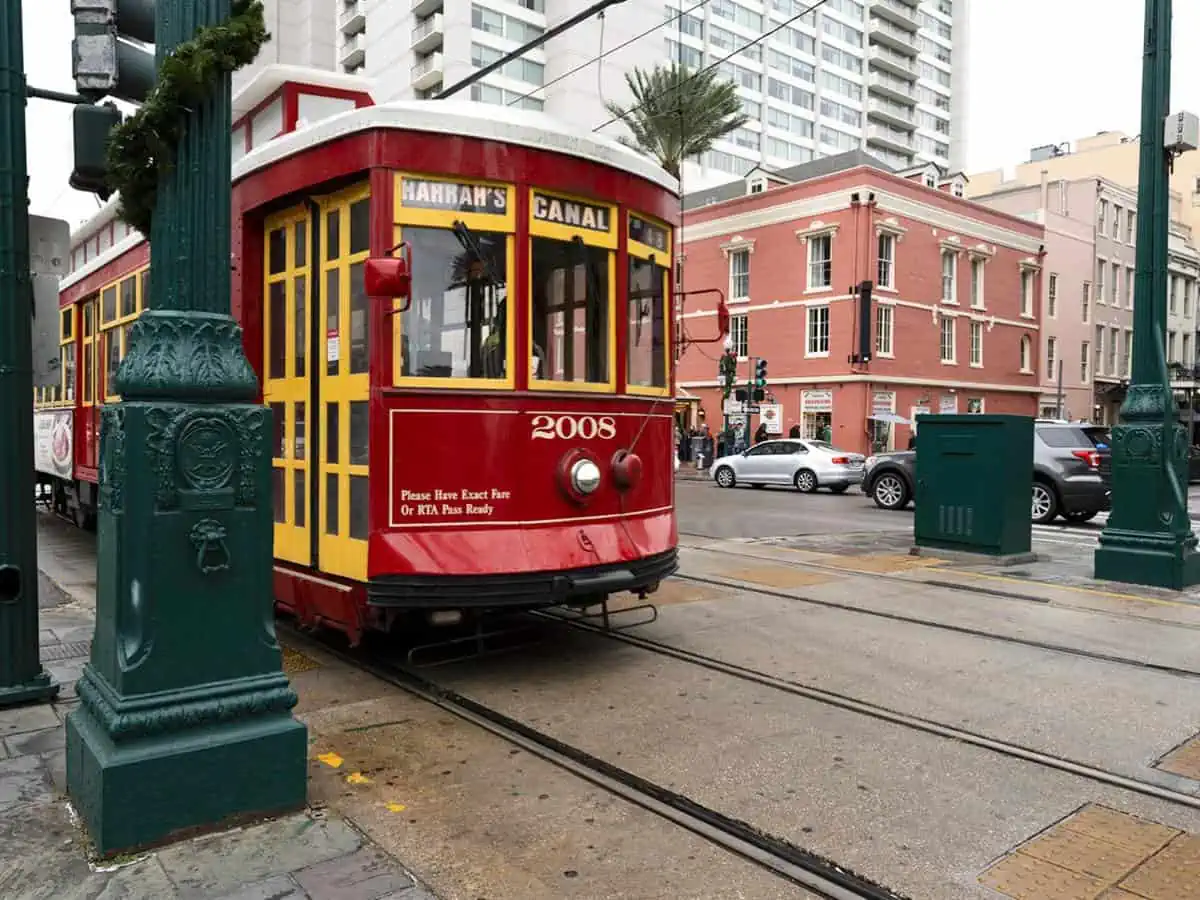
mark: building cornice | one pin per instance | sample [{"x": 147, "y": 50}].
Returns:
[{"x": 869, "y": 378}]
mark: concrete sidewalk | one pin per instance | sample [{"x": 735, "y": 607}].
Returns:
[{"x": 44, "y": 854}]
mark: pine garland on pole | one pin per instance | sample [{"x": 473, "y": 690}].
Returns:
[{"x": 142, "y": 148}]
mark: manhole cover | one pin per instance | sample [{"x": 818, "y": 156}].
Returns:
[{"x": 58, "y": 652}]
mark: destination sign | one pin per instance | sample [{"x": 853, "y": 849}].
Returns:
[
  {"x": 453, "y": 196},
  {"x": 647, "y": 233},
  {"x": 571, "y": 213}
]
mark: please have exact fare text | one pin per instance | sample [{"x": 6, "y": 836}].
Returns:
[{"x": 450, "y": 503}]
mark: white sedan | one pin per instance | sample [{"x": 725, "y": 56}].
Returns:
[{"x": 806, "y": 465}]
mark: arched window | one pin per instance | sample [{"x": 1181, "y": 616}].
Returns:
[{"x": 1026, "y": 354}]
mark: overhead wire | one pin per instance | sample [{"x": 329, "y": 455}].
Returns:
[
  {"x": 724, "y": 59},
  {"x": 609, "y": 52}
]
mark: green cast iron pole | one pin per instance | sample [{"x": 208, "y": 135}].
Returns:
[
  {"x": 185, "y": 717},
  {"x": 1148, "y": 538},
  {"x": 22, "y": 678}
]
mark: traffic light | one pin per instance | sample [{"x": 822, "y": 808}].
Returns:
[
  {"x": 727, "y": 373},
  {"x": 107, "y": 61},
  {"x": 110, "y": 56},
  {"x": 760, "y": 373}
]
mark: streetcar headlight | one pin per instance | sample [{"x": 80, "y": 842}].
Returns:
[{"x": 585, "y": 476}]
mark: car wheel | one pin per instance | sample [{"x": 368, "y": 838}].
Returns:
[
  {"x": 1081, "y": 516},
  {"x": 890, "y": 491},
  {"x": 1045, "y": 503},
  {"x": 805, "y": 481},
  {"x": 725, "y": 477},
  {"x": 839, "y": 488}
]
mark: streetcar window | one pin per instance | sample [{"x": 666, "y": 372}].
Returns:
[
  {"x": 570, "y": 297},
  {"x": 279, "y": 429},
  {"x": 333, "y": 234},
  {"x": 88, "y": 350},
  {"x": 108, "y": 304},
  {"x": 145, "y": 288},
  {"x": 358, "y": 433},
  {"x": 301, "y": 243},
  {"x": 456, "y": 326},
  {"x": 299, "y": 443},
  {"x": 647, "y": 337},
  {"x": 333, "y": 304},
  {"x": 301, "y": 287},
  {"x": 332, "y": 504},
  {"x": 332, "y": 433},
  {"x": 278, "y": 314},
  {"x": 277, "y": 251},
  {"x": 359, "y": 340},
  {"x": 112, "y": 344},
  {"x": 69, "y": 372},
  {"x": 360, "y": 226},
  {"x": 128, "y": 296},
  {"x": 358, "y": 507},
  {"x": 298, "y": 484},
  {"x": 68, "y": 321},
  {"x": 279, "y": 501}
]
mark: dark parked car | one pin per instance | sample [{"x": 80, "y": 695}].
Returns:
[{"x": 1071, "y": 472}]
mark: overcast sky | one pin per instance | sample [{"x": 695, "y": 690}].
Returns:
[{"x": 1041, "y": 72}]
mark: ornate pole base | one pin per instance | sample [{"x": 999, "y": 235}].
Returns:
[
  {"x": 1148, "y": 539},
  {"x": 36, "y": 690},
  {"x": 185, "y": 717}
]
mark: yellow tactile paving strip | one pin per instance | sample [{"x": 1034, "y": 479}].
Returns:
[
  {"x": 1101, "y": 854},
  {"x": 295, "y": 662},
  {"x": 886, "y": 563},
  {"x": 1183, "y": 760},
  {"x": 778, "y": 576}
]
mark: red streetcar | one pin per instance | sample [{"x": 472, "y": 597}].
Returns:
[{"x": 501, "y": 437}]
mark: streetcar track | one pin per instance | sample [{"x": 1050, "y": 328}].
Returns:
[
  {"x": 775, "y": 854},
  {"x": 886, "y": 714},
  {"x": 1111, "y": 658}
]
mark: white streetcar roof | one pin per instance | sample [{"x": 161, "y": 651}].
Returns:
[{"x": 487, "y": 121}]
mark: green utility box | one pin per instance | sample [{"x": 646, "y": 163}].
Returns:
[{"x": 973, "y": 476}]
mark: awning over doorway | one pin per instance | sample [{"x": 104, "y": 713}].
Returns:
[{"x": 890, "y": 418}]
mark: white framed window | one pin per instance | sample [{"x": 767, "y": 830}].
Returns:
[
  {"x": 1052, "y": 296},
  {"x": 887, "y": 261},
  {"x": 1185, "y": 351},
  {"x": 739, "y": 331},
  {"x": 739, "y": 274},
  {"x": 820, "y": 262},
  {"x": 1173, "y": 295},
  {"x": 1085, "y": 362},
  {"x": 957, "y": 189},
  {"x": 1116, "y": 284},
  {"x": 1026, "y": 354},
  {"x": 946, "y": 339},
  {"x": 1188, "y": 289},
  {"x": 817, "y": 329},
  {"x": 930, "y": 181},
  {"x": 1126, "y": 352},
  {"x": 1101, "y": 266},
  {"x": 757, "y": 185},
  {"x": 976, "y": 344},
  {"x": 977, "y": 283},
  {"x": 1085, "y": 309},
  {"x": 1130, "y": 281},
  {"x": 949, "y": 267},
  {"x": 1051, "y": 357},
  {"x": 1026, "y": 292},
  {"x": 1099, "y": 347},
  {"x": 1130, "y": 227},
  {"x": 1111, "y": 360},
  {"x": 1102, "y": 216},
  {"x": 885, "y": 322},
  {"x": 1171, "y": 355},
  {"x": 1116, "y": 222}
]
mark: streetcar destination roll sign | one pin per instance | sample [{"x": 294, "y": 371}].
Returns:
[
  {"x": 571, "y": 213},
  {"x": 453, "y": 196}
]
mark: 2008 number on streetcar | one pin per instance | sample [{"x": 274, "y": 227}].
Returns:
[{"x": 565, "y": 428}]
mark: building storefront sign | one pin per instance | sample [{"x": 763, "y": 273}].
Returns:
[
  {"x": 816, "y": 402},
  {"x": 948, "y": 404},
  {"x": 771, "y": 415}
]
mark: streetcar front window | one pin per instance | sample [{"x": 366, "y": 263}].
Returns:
[
  {"x": 457, "y": 324},
  {"x": 570, "y": 311},
  {"x": 646, "y": 340}
]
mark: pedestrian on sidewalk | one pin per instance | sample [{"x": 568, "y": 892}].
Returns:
[
  {"x": 794, "y": 432},
  {"x": 761, "y": 435}
]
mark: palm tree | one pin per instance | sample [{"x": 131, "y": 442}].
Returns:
[{"x": 676, "y": 114}]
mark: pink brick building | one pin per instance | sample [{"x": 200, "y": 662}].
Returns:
[{"x": 954, "y": 314}]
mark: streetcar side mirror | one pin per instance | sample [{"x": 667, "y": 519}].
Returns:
[{"x": 390, "y": 276}]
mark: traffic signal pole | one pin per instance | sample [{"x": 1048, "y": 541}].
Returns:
[
  {"x": 184, "y": 720},
  {"x": 1148, "y": 538},
  {"x": 22, "y": 679}
]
